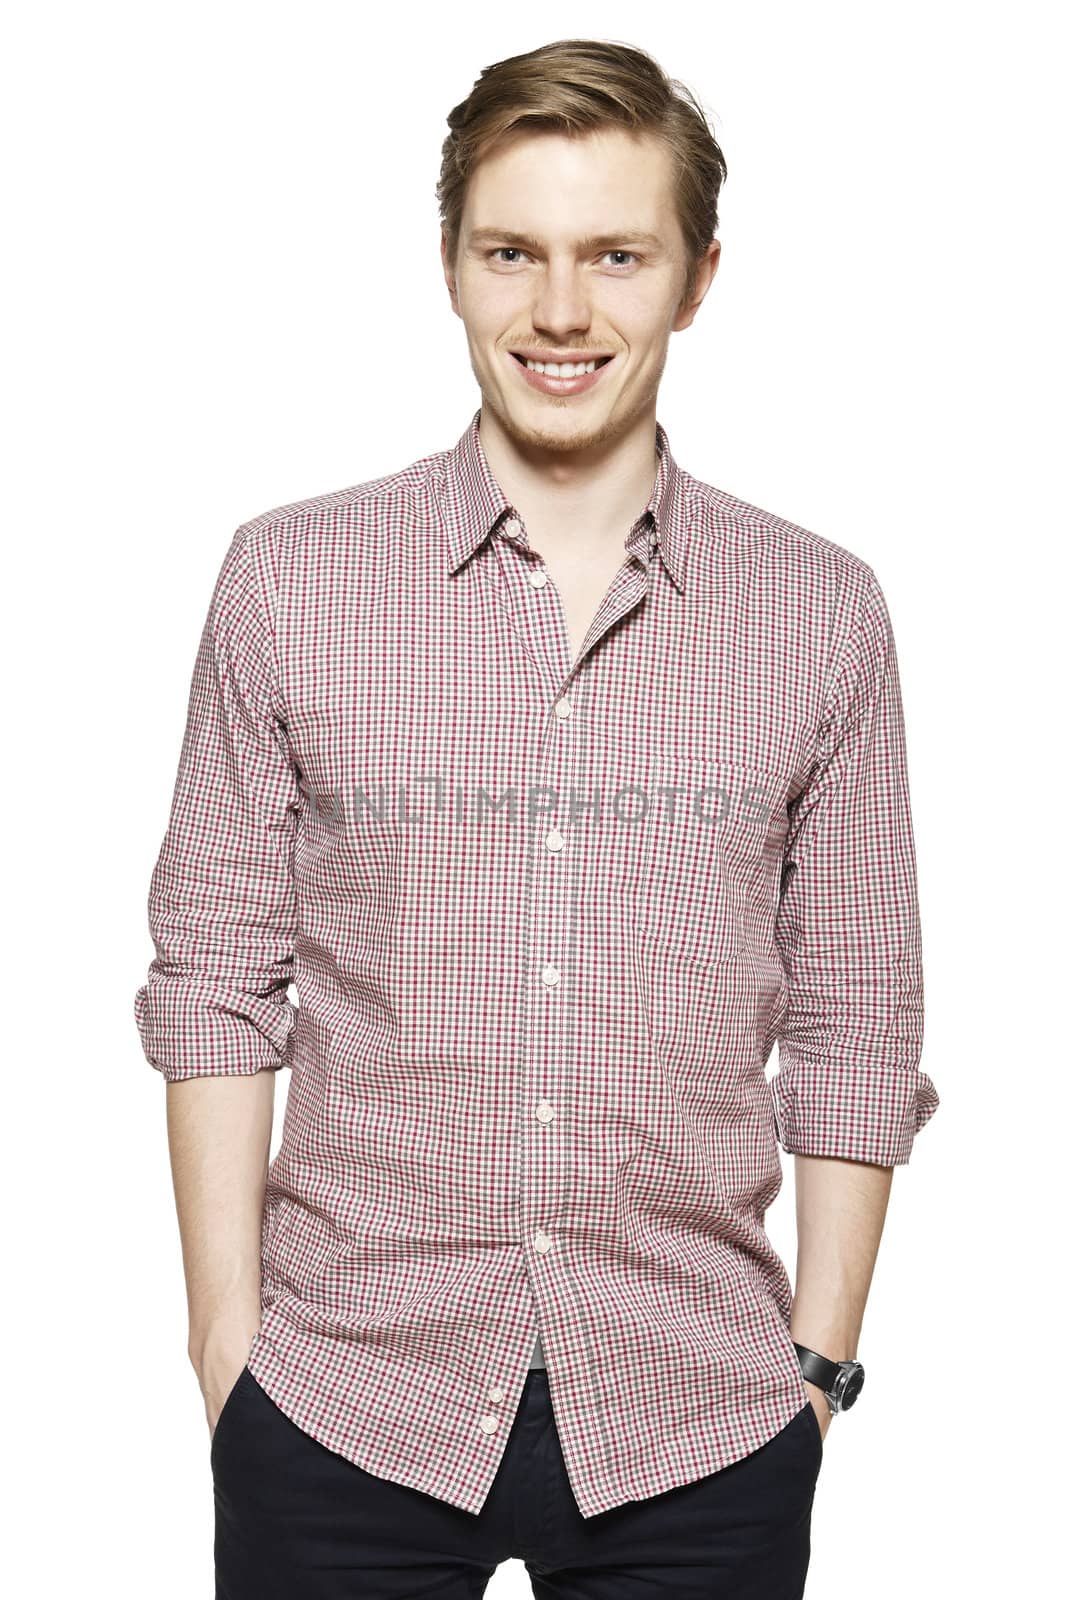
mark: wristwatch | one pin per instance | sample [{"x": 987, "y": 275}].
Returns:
[{"x": 840, "y": 1381}]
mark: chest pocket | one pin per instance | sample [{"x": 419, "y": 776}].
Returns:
[
  {"x": 682, "y": 900},
  {"x": 705, "y": 857}
]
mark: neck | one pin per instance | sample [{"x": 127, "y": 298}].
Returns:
[{"x": 577, "y": 499}]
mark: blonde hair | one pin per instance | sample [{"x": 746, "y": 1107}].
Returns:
[{"x": 574, "y": 86}]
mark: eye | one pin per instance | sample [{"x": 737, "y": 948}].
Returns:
[{"x": 515, "y": 250}]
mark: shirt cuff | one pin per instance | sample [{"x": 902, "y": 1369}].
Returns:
[
  {"x": 857, "y": 1113},
  {"x": 189, "y": 1032}
]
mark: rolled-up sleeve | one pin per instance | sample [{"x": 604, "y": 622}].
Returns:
[
  {"x": 848, "y": 1081},
  {"x": 221, "y": 897}
]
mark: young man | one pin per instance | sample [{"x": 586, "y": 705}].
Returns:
[{"x": 563, "y": 785}]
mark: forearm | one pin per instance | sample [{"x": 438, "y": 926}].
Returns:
[
  {"x": 840, "y": 1213},
  {"x": 219, "y": 1135}
]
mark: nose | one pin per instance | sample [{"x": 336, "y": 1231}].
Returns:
[{"x": 561, "y": 307}]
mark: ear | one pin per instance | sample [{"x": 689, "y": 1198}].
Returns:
[
  {"x": 448, "y": 274},
  {"x": 704, "y": 278}
]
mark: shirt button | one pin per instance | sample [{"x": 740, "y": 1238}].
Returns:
[
  {"x": 562, "y": 708},
  {"x": 551, "y": 975},
  {"x": 554, "y": 840},
  {"x": 497, "y": 1394},
  {"x": 488, "y": 1422},
  {"x": 545, "y": 1111},
  {"x": 543, "y": 1241},
  {"x": 537, "y": 578},
  {"x": 513, "y": 527}
]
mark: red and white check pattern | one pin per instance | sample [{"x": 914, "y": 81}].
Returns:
[{"x": 545, "y": 920}]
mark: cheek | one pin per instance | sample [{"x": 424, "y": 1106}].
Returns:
[
  {"x": 492, "y": 306},
  {"x": 641, "y": 313}
]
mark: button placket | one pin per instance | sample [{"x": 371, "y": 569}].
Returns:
[{"x": 550, "y": 927}]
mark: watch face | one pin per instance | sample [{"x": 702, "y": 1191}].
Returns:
[{"x": 851, "y": 1390}]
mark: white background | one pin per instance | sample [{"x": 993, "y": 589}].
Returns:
[{"x": 223, "y": 294}]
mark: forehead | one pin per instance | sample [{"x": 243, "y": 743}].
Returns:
[{"x": 603, "y": 181}]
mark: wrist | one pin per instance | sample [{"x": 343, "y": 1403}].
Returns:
[
  {"x": 837, "y": 1340},
  {"x": 216, "y": 1342}
]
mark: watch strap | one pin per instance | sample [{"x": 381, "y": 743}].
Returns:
[{"x": 817, "y": 1369}]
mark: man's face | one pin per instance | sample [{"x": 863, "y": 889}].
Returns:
[{"x": 572, "y": 245}]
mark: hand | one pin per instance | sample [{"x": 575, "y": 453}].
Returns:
[
  {"x": 821, "y": 1406},
  {"x": 220, "y": 1364}
]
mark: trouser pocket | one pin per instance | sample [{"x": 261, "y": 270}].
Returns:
[{"x": 228, "y": 1405}]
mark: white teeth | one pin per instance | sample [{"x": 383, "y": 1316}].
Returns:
[{"x": 563, "y": 369}]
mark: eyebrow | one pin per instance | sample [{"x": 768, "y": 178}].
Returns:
[{"x": 599, "y": 241}]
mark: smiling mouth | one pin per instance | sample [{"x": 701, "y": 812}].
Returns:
[{"x": 600, "y": 361}]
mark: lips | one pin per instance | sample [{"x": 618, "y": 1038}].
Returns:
[{"x": 561, "y": 388}]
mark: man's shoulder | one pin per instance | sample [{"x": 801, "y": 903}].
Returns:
[
  {"x": 721, "y": 519},
  {"x": 357, "y": 505}
]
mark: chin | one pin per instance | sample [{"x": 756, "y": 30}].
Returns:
[{"x": 555, "y": 430}]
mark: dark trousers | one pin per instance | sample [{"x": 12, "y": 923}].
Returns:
[{"x": 294, "y": 1519}]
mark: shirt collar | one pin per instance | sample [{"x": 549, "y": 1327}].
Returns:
[{"x": 473, "y": 506}]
